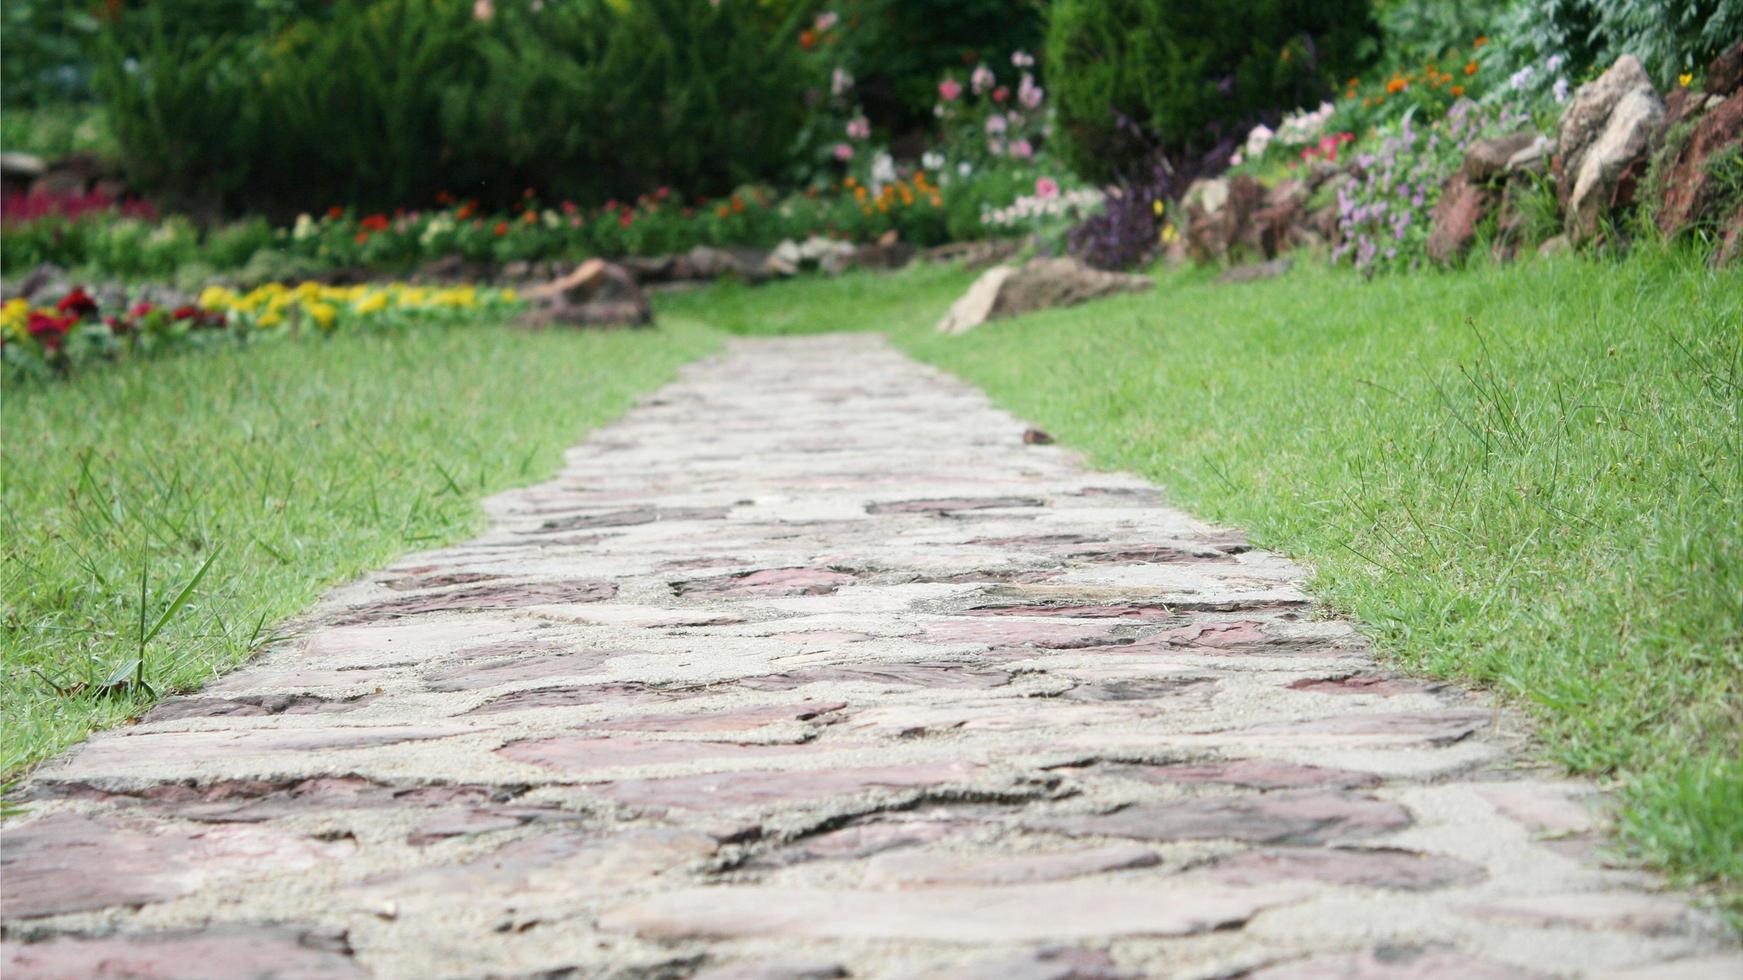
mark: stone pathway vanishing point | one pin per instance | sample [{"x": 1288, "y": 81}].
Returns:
[{"x": 809, "y": 667}]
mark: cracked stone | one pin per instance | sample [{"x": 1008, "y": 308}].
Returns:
[
  {"x": 926, "y": 870},
  {"x": 1368, "y": 868},
  {"x": 1433, "y": 727},
  {"x": 1382, "y": 685},
  {"x": 518, "y": 665},
  {"x": 481, "y": 597},
  {"x": 579, "y": 864},
  {"x": 587, "y": 754},
  {"x": 215, "y": 953},
  {"x": 740, "y": 720},
  {"x": 873, "y": 836},
  {"x": 938, "y": 674},
  {"x": 736, "y": 789},
  {"x": 1008, "y": 914},
  {"x": 1271, "y": 818},
  {"x": 617, "y": 692},
  {"x": 1605, "y": 911},
  {"x": 1013, "y": 632},
  {"x": 1044, "y": 963},
  {"x": 71, "y": 863},
  {"x": 1139, "y": 613},
  {"x": 783, "y": 969},
  {"x": 768, "y": 582},
  {"x": 1255, "y": 774},
  {"x": 254, "y": 705},
  {"x": 945, "y": 506},
  {"x": 633, "y": 517}
]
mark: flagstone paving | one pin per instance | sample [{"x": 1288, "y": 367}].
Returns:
[{"x": 811, "y": 667}]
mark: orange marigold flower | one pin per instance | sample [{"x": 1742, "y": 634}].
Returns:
[
  {"x": 1396, "y": 85},
  {"x": 501, "y": 228},
  {"x": 362, "y": 237},
  {"x": 335, "y": 212},
  {"x": 807, "y": 39},
  {"x": 1457, "y": 90},
  {"x": 529, "y": 217},
  {"x": 1470, "y": 67},
  {"x": 1479, "y": 42},
  {"x": 723, "y": 211}
]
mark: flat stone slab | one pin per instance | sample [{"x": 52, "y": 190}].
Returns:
[{"x": 814, "y": 665}]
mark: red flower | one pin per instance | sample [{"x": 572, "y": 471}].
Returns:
[
  {"x": 569, "y": 207},
  {"x": 50, "y": 331},
  {"x": 186, "y": 313},
  {"x": 335, "y": 212},
  {"x": 625, "y": 218},
  {"x": 78, "y": 303},
  {"x": 444, "y": 198},
  {"x": 1001, "y": 93},
  {"x": 141, "y": 309},
  {"x": 663, "y": 193},
  {"x": 362, "y": 237},
  {"x": 610, "y": 206},
  {"x": 118, "y": 325},
  {"x": 501, "y": 228},
  {"x": 375, "y": 222},
  {"x": 528, "y": 218}
]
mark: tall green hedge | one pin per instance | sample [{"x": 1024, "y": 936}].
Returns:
[
  {"x": 1131, "y": 77},
  {"x": 384, "y": 103}
]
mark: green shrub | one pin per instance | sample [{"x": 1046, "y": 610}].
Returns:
[
  {"x": 1131, "y": 77},
  {"x": 1668, "y": 36},
  {"x": 899, "y": 49},
  {"x": 592, "y": 98}
]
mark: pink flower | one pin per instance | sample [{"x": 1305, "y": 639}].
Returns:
[
  {"x": 1046, "y": 187},
  {"x": 859, "y": 128},
  {"x": 1001, "y": 93},
  {"x": 1021, "y": 150},
  {"x": 981, "y": 80},
  {"x": 843, "y": 152},
  {"x": 996, "y": 147},
  {"x": 1022, "y": 59},
  {"x": 840, "y": 82},
  {"x": 1029, "y": 93},
  {"x": 949, "y": 89},
  {"x": 826, "y": 20},
  {"x": 995, "y": 125}
]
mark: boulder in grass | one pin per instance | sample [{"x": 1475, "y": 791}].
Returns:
[
  {"x": 1725, "y": 72},
  {"x": 1604, "y": 136},
  {"x": 1038, "y": 284},
  {"x": 596, "y": 294}
]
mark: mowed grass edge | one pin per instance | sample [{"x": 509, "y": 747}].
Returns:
[
  {"x": 1526, "y": 477},
  {"x": 290, "y": 467}
]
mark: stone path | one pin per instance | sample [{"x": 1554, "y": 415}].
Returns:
[{"x": 810, "y": 667}]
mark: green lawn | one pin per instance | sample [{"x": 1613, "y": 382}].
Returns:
[
  {"x": 1528, "y": 477},
  {"x": 291, "y": 467}
]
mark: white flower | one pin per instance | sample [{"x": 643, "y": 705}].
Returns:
[
  {"x": 883, "y": 170},
  {"x": 840, "y": 82},
  {"x": 1560, "y": 90},
  {"x": 932, "y": 160},
  {"x": 1258, "y": 140},
  {"x": 965, "y": 168},
  {"x": 305, "y": 227},
  {"x": 1520, "y": 79}
]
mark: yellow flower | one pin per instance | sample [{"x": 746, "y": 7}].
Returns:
[
  {"x": 322, "y": 313},
  {"x": 509, "y": 295},
  {"x": 1169, "y": 234},
  {"x": 15, "y": 313},
  {"x": 1157, "y": 207},
  {"x": 271, "y": 318},
  {"x": 1686, "y": 79},
  {"x": 373, "y": 303},
  {"x": 217, "y": 298}
]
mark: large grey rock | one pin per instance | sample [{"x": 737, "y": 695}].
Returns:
[
  {"x": 1607, "y": 129},
  {"x": 1623, "y": 145},
  {"x": 1038, "y": 284}
]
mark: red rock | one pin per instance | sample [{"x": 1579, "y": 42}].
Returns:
[
  {"x": 1008, "y": 914},
  {"x": 768, "y": 582},
  {"x": 72, "y": 863},
  {"x": 873, "y": 836},
  {"x": 1140, "y": 613},
  {"x": 481, "y": 597},
  {"x": 216, "y": 953},
  {"x": 1378, "y": 684},
  {"x": 522, "y": 873},
  {"x": 1218, "y": 636},
  {"x": 626, "y": 693},
  {"x": 1255, "y": 774},
  {"x": 1272, "y": 818},
  {"x": 944, "y": 506},
  {"x": 1462, "y": 206},
  {"x": 735, "y": 789},
  {"x": 1367, "y": 868},
  {"x": 254, "y": 705},
  {"x": 1691, "y": 189},
  {"x": 1394, "y": 963}
]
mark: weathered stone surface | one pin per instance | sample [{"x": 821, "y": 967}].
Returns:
[
  {"x": 1363, "y": 867},
  {"x": 1016, "y": 913},
  {"x": 741, "y": 789},
  {"x": 523, "y": 663},
  {"x": 740, "y": 720},
  {"x": 1038, "y": 284},
  {"x": 632, "y": 517},
  {"x": 1725, "y": 71},
  {"x": 1394, "y": 963},
  {"x": 783, "y": 969},
  {"x": 1042, "y": 963},
  {"x": 564, "y": 697},
  {"x": 1724, "y": 966},
  {"x": 71, "y": 863},
  {"x": 1542, "y": 809},
  {"x": 587, "y": 754},
  {"x": 945, "y": 506},
  {"x": 1256, "y": 774},
  {"x": 921, "y": 870},
  {"x": 1436, "y": 727},
  {"x": 1598, "y": 911},
  {"x": 481, "y": 597},
  {"x": 1487, "y": 159},
  {"x": 1376, "y": 684},
  {"x": 254, "y": 706},
  {"x": 1018, "y": 632},
  {"x": 943, "y": 674},
  {"x": 1274, "y": 818},
  {"x": 219, "y": 953},
  {"x": 771, "y": 581}
]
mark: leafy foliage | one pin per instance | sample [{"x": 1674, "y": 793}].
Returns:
[
  {"x": 1668, "y": 36},
  {"x": 1131, "y": 76}
]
